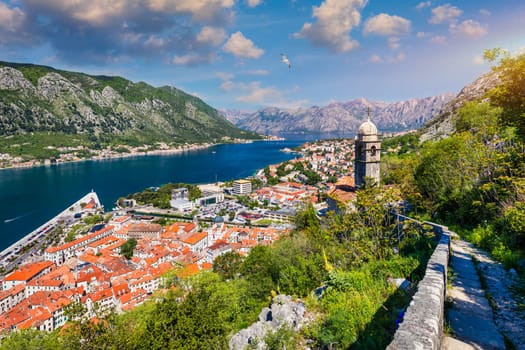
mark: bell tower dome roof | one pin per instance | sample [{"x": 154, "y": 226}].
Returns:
[{"x": 367, "y": 128}]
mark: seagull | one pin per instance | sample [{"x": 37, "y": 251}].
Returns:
[{"x": 285, "y": 60}]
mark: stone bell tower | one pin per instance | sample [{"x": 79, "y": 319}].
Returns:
[{"x": 367, "y": 154}]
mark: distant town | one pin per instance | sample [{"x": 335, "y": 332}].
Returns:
[
  {"x": 67, "y": 154},
  {"x": 114, "y": 260}
]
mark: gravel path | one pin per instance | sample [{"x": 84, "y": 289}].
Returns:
[{"x": 509, "y": 319}]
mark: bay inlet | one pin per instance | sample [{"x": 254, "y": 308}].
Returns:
[{"x": 29, "y": 197}]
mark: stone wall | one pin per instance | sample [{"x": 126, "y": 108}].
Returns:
[{"x": 422, "y": 326}]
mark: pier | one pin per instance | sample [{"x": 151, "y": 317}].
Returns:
[{"x": 13, "y": 255}]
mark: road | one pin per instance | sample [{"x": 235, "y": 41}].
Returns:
[{"x": 13, "y": 255}]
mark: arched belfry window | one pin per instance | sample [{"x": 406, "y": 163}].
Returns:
[{"x": 373, "y": 150}]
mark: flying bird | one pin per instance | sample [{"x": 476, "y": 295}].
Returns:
[{"x": 285, "y": 60}]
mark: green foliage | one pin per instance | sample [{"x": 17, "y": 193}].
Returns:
[
  {"x": 182, "y": 117},
  {"x": 70, "y": 236},
  {"x": 306, "y": 219},
  {"x": 447, "y": 170},
  {"x": 475, "y": 179},
  {"x": 478, "y": 118},
  {"x": 161, "y": 198},
  {"x": 93, "y": 219},
  {"x": 30, "y": 339},
  {"x": 39, "y": 145},
  {"x": 127, "y": 248},
  {"x": 312, "y": 177},
  {"x": 361, "y": 306},
  {"x": 510, "y": 93},
  {"x": 403, "y": 144},
  {"x": 281, "y": 339},
  {"x": 228, "y": 265}
]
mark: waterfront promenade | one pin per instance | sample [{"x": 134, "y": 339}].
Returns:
[{"x": 13, "y": 254}]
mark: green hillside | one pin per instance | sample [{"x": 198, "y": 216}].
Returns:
[{"x": 39, "y": 100}]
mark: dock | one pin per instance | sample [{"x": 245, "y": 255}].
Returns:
[{"x": 68, "y": 214}]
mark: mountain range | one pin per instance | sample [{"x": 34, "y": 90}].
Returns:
[
  {"x": 341, "y": 117},
  {"x": 42, "y": 99}
]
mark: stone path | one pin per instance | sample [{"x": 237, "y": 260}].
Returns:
[{"x": 470, "y": 316}]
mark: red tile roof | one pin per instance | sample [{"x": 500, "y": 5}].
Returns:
[
  {"x": 26, "y": 272},
  {"x": 194, "y": 238}
]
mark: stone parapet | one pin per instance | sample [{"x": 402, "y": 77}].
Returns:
[{"x": 422, "y": 326}]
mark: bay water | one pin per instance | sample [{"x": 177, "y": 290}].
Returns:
[{"x": 29, "y": 197}]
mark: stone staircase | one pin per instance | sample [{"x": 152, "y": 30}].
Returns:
[{"x": 469, "y": 315}]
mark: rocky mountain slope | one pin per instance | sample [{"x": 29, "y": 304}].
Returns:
[
  {"x": 342, "y": 117},
  {"x": 42, "y": 99},
  {"x": 442, "y": 124}
]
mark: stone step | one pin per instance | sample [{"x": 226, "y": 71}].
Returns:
[
  {"x": 450, "y": 343},
  {"x": 474, "y": 304},
  {"x": 477, "y": 331}
]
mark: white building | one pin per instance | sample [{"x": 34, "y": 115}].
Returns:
[{"x": 242, "y": 187}]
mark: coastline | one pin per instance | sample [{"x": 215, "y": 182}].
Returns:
[{"x": 111, "y": 155}]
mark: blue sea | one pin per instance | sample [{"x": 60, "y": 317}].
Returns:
[{"x": 30, "y": 197}]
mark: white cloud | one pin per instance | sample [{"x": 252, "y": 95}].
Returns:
[
  {"x": 211, "y": 35},
  {"x": 254, "y": 3},
  {"x": 224, "y": 75},
  {"x": 192, "y": 59},
  {"x": 469, "y": 28},
  {"x": 99, "y": 13},
  {"x": 439, "y": 39},
  {"x": 421, "y": 34},
  {"x": 267, "y": 96},
  {"x": 445, "y": 13},
  {"x": 11, "y": 19},
  {"x": 239, "y": 46},
  {"x": 478, "y": 60},
  {"x": 335, "y": 20},
  {"x": 258, "y": 94},
  {"x": 257, "y": 72},
  {"x": 393, "y": 43},
  {"x": 202, "y": 10},
  {"x": 98, "y": 31},
  {"x": 384, "y": 24},
  {"x": 398, "y": 58},
  {"x": 154, "y": 41},
  {"x": 485, "y": 12},
  {"x": 93, "y": 12},
  {"x": 376, "y": 59},
  {"x": 389, "y": 59},
  {"x": 424, "y": 4},
  {"x": 227, "y": 85}
]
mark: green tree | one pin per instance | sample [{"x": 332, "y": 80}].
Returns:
[
  {"x": 228, "y": 265},
  {"x": 30, "y": 339},
  {"x": 510, "y": 92},
  {"x": 93, "y": 219},
  {"x": 127, "y": 248},
  {"x": 306, "y": 219},
  {"x": 260, "y": 271}
]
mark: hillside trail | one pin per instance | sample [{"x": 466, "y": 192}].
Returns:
[{"x": 482, "y": 312}]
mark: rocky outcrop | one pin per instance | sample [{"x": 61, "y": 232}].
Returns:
[
  {"x": 13, "y": 80},
  {"x": 443, "y": 124},
  {"x": 341, "y": 117},
  {"x": 283, "y": 312}
]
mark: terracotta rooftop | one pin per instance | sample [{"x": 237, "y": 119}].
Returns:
[
  {"x": 26, "y": 272},
  {"x": 80, "y": 240},
  {"x": 194, "y": 238}
]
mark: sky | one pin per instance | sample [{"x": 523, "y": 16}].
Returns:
[{"x": 228, "y": 52}]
